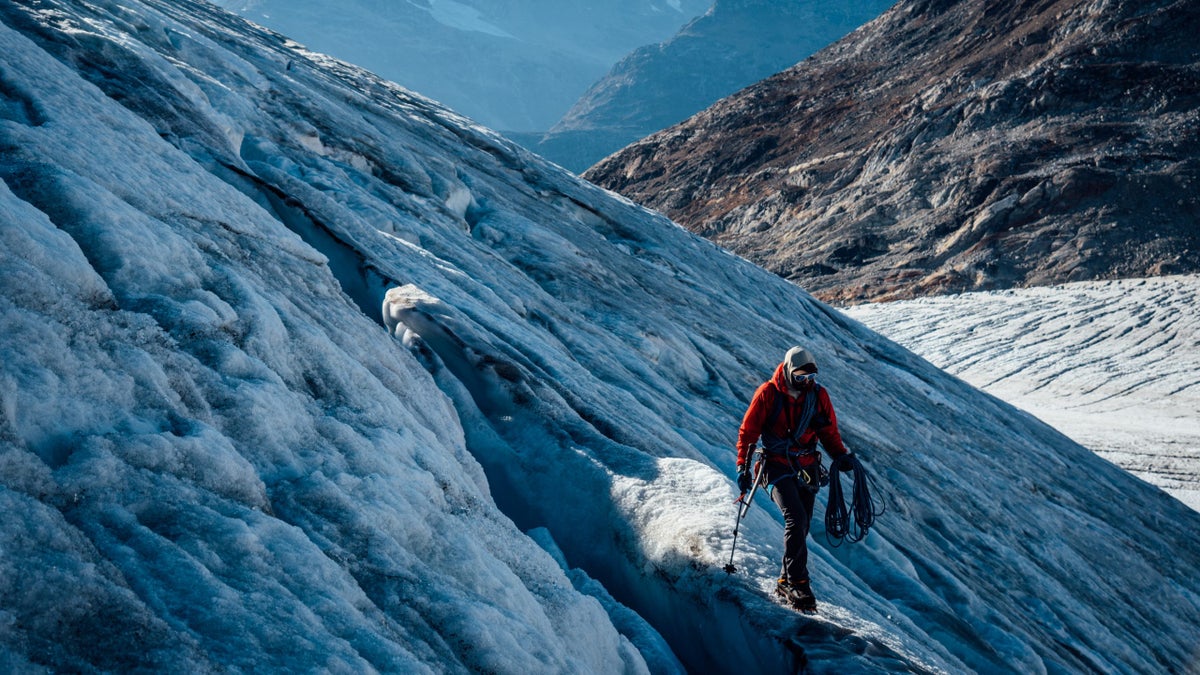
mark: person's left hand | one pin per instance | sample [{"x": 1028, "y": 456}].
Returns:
[{"x": 847, "y": 462}]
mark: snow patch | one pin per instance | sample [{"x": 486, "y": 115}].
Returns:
[
  {"x": 464, "y": 17},
  {"x": 1111, "y": 364}
]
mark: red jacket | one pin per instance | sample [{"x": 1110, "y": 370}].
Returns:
[{"x": 823, "y": 425}]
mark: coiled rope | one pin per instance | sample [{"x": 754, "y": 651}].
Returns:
[{"x": 850, "y": 523}]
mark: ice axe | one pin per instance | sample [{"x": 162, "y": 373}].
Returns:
[{"x": 744, "y": 501}]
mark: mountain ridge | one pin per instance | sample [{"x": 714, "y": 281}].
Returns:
[
  {"x": 733, "y": 45},
  {"x": 515, "y": 66},
  {"x": 951, "y": 146}
]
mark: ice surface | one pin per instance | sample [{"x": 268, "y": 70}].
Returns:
[
  {"x": 1114, "y": 365},
  {"x": 292, "y": 360}
]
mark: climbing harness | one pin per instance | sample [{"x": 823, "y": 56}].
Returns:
[
  {"x": 776, "y": 445},
  {"x": 813, "y": 475}
]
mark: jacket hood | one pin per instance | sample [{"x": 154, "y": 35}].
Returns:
[
  {"x": 799, "y": 358},
  {"x": 780, "y": 378},
  {"x": 795, "y": 359}
]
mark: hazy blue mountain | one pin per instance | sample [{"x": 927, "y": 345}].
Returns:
[
  {"x": 514, "y": 65},
  {"x": 735, "y": 44}
]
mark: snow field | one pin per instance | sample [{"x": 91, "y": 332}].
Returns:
[{"x": 1111, "y": 364}]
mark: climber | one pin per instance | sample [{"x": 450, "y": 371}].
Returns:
[{"x": 791, "y": 412}]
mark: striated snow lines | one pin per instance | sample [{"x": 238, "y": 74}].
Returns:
[{"x": 1115, "y": 365}]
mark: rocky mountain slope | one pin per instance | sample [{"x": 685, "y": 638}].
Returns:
[
  {"x": 733, "y": 45},
  {"x": 952, "y": 145},
  {"x": 515, "y": 65}
]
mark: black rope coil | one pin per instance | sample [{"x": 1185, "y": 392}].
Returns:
[{"x": 850, "y": 523}]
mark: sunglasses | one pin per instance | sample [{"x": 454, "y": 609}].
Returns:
[{"x": 801, "y": 377}]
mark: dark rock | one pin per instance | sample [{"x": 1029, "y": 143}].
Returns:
[{"x": 951, "y": 146}]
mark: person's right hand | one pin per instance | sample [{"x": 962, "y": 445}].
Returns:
[{"x": 743, "y": 477}]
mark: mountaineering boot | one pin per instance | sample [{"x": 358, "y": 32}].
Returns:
[
  {"x": 798, "y": 595},
  {"x": 807, "y": 602}
]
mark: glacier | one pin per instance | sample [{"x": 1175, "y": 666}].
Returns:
[
  {"x": 302, "y": 371},
  {"x": 1115, "y": 365}
]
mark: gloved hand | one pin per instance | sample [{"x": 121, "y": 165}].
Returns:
[
  {"x": 743, "y": 477},
  {"x": 847, "y": 463}
]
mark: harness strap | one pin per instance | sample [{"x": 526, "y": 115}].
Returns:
[{"x": 775, "y": 445}]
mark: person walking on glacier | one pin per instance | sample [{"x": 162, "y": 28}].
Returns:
[{"x": 790, "y": 413}]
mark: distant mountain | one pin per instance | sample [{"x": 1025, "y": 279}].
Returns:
[
  {"x": 952, "y": 145},
  {"x": 514, "y": 65},
  {"x": 735, "y": 44}
]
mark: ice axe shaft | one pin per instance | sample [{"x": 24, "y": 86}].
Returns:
[{"x": 744, "y": 501}]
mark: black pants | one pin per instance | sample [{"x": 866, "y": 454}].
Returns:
[{"x": 795, "y": 500}]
